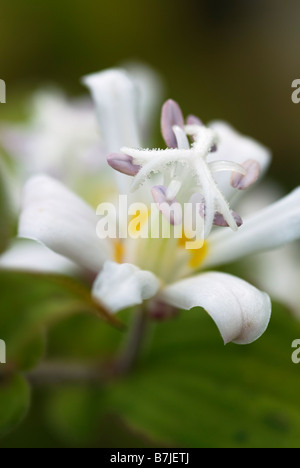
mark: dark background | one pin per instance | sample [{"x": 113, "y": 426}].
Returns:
[
  {"x": 221, "y": 59},
  {"x": 232, "y": 59}
]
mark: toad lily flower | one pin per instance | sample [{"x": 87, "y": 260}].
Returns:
[
  {"x": 202, "y": 165},
  {"x": 186, "y": 168},
  {"x": 61, "y": 138},
  {"x": 276, "y": 271}
]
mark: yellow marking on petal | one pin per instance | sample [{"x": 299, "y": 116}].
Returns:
[
  {"x": 137, "y": 223},
  {"x": 119, "y": 251},
  {"x": 182, "y": 241},
  {"x": 197, "y": 253}
]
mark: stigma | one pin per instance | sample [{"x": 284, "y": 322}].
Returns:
[{"x": 187, "y": 175}]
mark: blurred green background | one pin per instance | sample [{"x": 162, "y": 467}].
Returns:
[{"x": 234, "y": 60}]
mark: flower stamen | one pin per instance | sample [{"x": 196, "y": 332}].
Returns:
[
  {"x": 243, "y": 181},
  {"x": 186, "y": 169}
]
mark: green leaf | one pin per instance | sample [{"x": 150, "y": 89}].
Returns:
[
  {"x": 83, "y": 337},
  {"x": 30, "y": 303},
  {"x": 192, "y": 391},
  {"x": 14, "y": 402},
  {"x": 75, "y": 413},
  {"x": 30, "y": 355}
]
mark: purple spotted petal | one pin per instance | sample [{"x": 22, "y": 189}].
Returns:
[{"x": 171, "y": 115}]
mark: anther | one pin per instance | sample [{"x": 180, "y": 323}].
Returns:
[
  {"x": 242, "y": 182},
  {"x": 171, "y": 115},
  {"x": 170, "y": 209},
  {"x": 123, "y": 163}
]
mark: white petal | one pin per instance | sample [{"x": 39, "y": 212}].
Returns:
[
  {"x": 57, "y": 218},
  {"x": 240, "y": 311},
  {"x": 26, "y": 255},
  {"x": 279, "y": 273},
  {"x": 260, "y": 198},
  {"x": 271, "y": 228},
  {"x": 120, "y": 286},
  {"x": 237, "y": 148},
  {"x": 151, "y": 89},
  {"x": 63, "y": 131},
  {"x": 276, "y": 272},
  {"x": 116, "y": 98}
]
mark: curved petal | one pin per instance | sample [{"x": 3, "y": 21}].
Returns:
[
  {"x": 272, "y": 227},
  {"x": 26, "y": 255},
  {"x": 279, "y": 274},
  {"x": 116, "y": 100},
  {"x": 57, "y": 218},
  {"x": 150, "y": 87},
  {"x": 237, "y": 148},
  {"x": 120, "y": 286},
  {"x": 240, "y": 311}
]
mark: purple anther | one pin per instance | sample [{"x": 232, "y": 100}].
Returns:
[
  {"x": 219, "y": 219},
  {"x": 159, "y": 193},
  {"x": 170, "y": 209},
  {"x": 193, "y": 120},
  {"x": 123, "y": 163},
  {"x": 171, "y": 115},
  {"x": 242, "y": 182}
]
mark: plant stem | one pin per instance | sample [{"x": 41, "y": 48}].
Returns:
[
  {"x": 57, "y": 373},
  {"x": 130, "y": 350}
]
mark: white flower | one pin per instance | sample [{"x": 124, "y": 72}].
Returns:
[
  {"x": 26, "y": 255},
  {"x": 186, "y": 167},
  {"x": 162, "y": 271},
  {"x": 62, "y": 139},
  {"x": 278, "y": 271}
]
